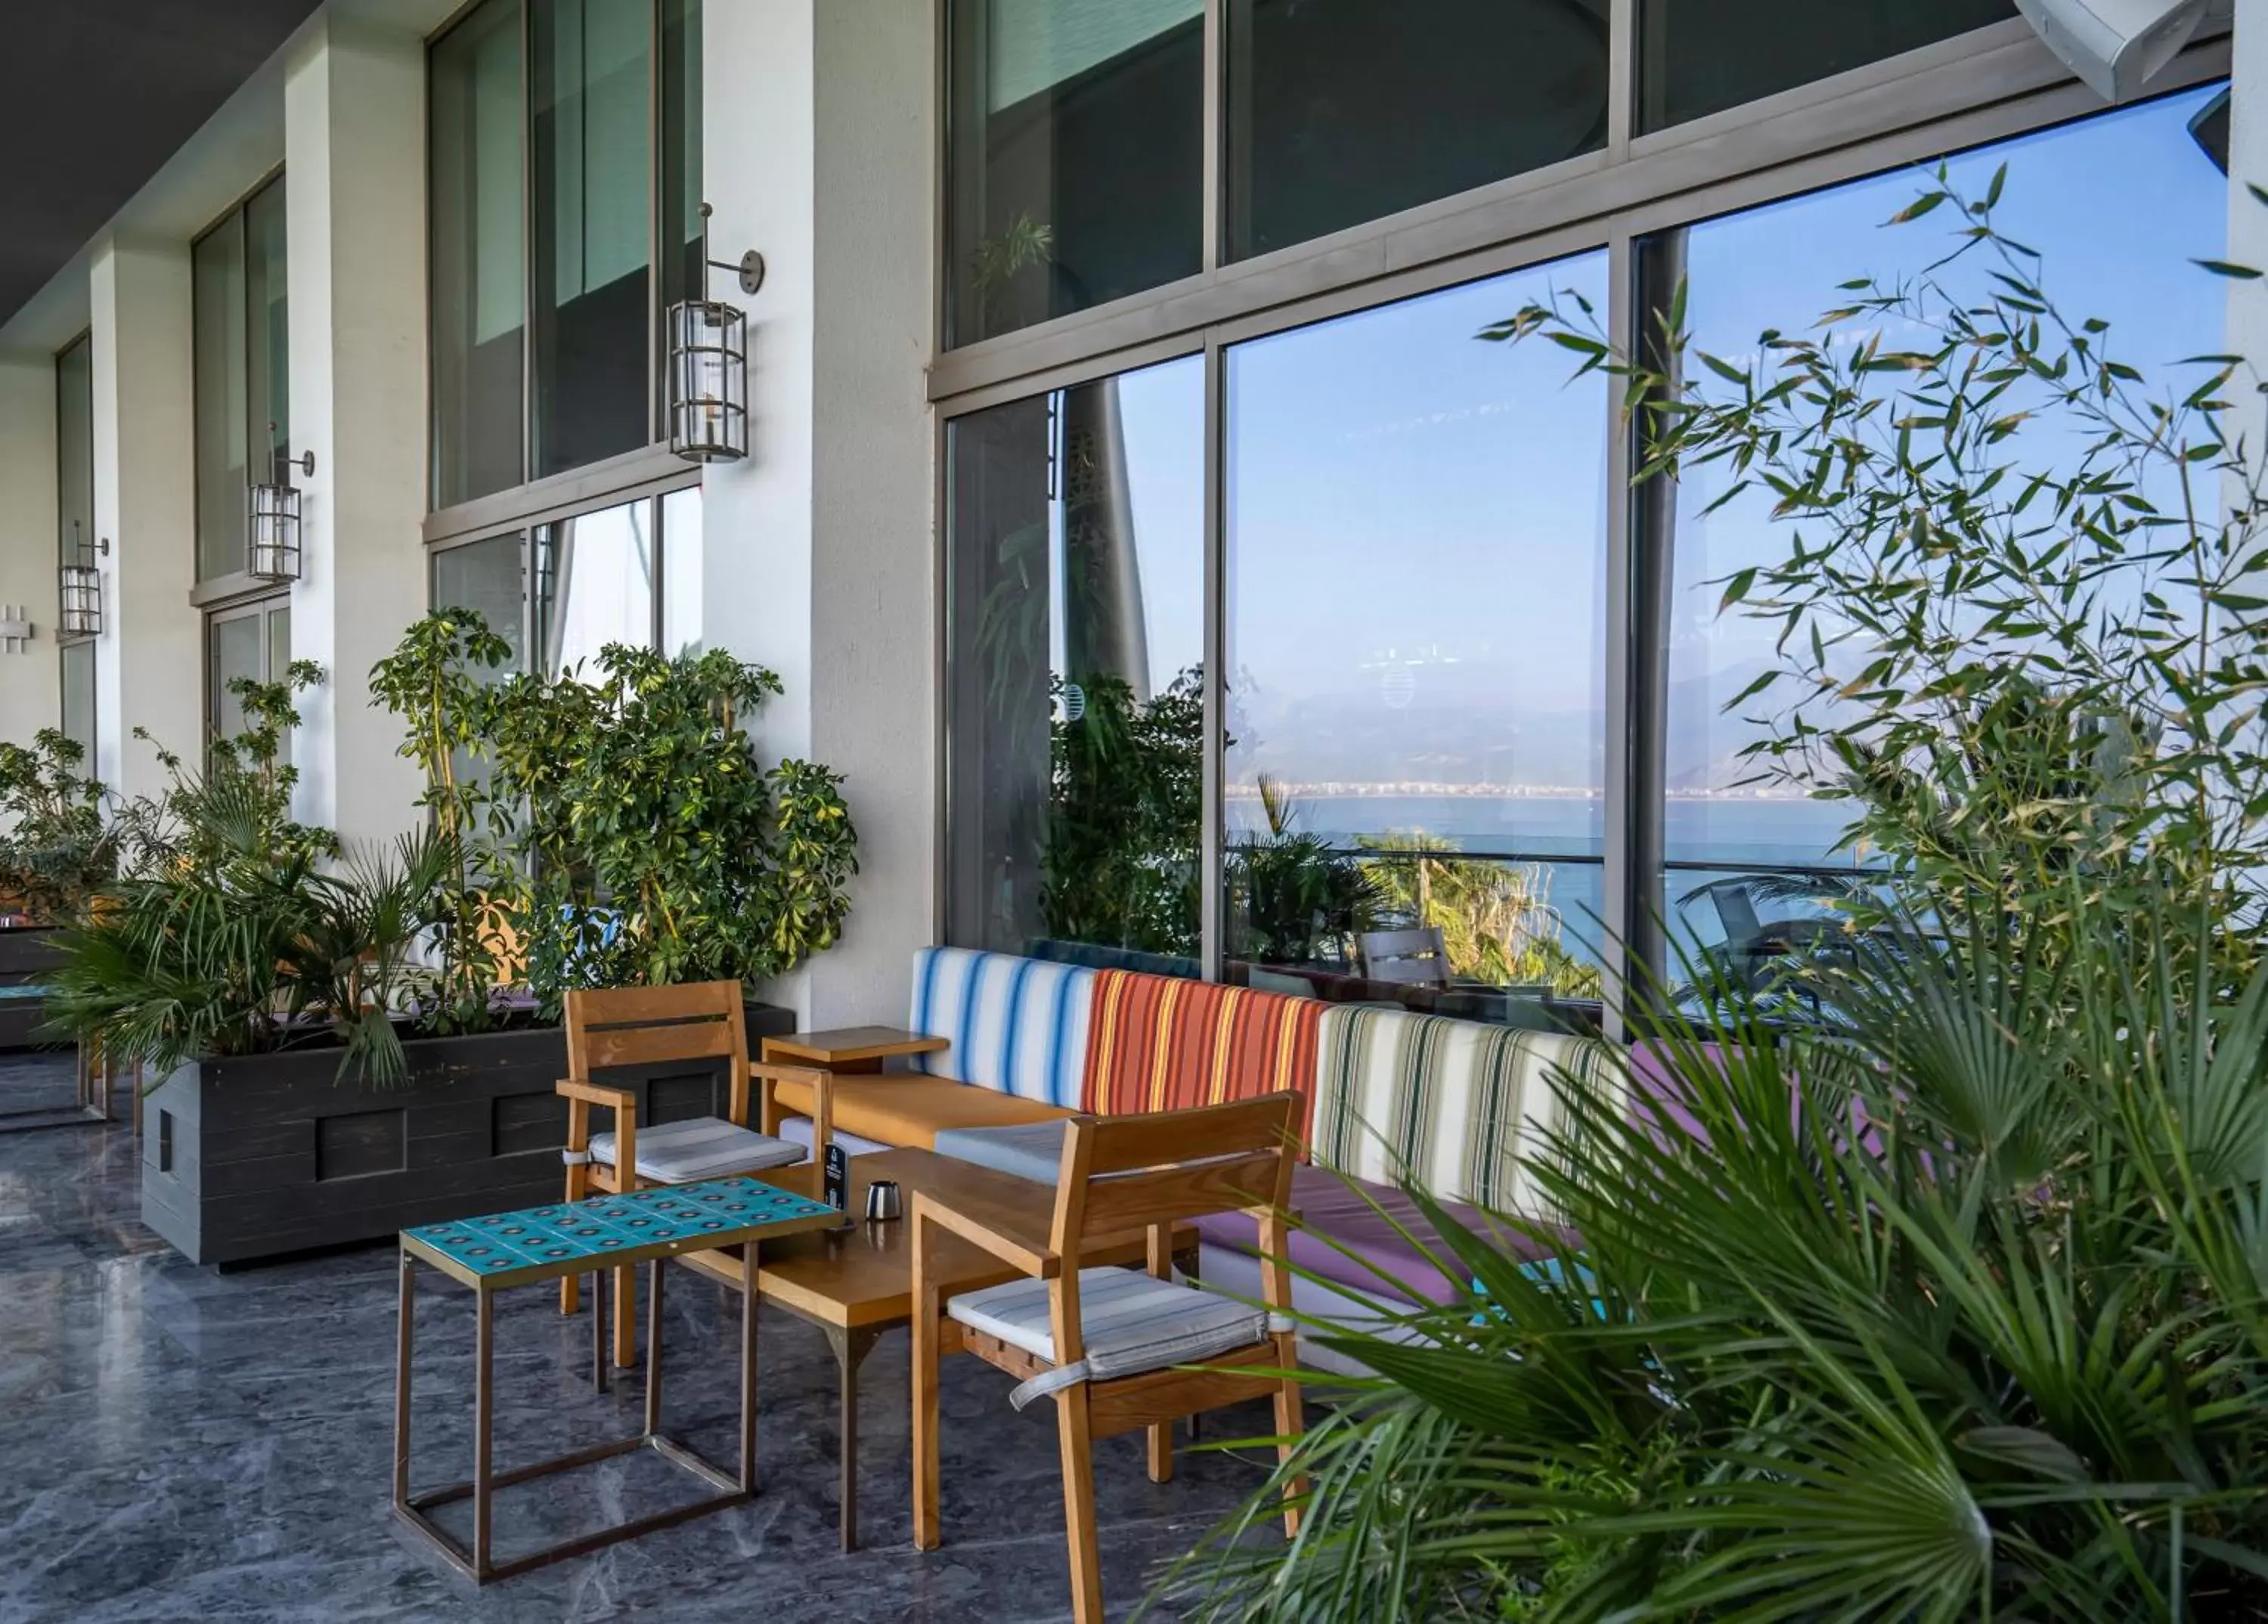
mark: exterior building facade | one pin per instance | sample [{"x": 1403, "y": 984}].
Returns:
[{"x": 1117, "y": 364}]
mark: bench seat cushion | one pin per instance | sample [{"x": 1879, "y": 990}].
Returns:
[
  {"x": 1033, "y": 1150},
  {"x": 685, "y": 1153},
  {"x": 909, "y": 1110},
  {"x": 1334, "y": 1209}
]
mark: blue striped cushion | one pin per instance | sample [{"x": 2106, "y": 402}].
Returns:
[
  {"x": 685, "y": 1153},
  {"x": 1017, "y": 1025}
]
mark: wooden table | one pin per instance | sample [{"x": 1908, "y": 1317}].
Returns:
[
  {"x": 544, "y": 1244},
  {"x": 856, "y": 1283},
  {"x": 852, "y": 1050}
]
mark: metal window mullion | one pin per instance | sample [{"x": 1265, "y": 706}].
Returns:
[
  {"x": 1216, "y": 126},
  {"x": 1622, "y": 76},
  {"x": 656, "y": 171},
  {"x": 528, "y": 255},
  {"x": 1212, "y": 924},
  {"x": 1619, "y": 731}
]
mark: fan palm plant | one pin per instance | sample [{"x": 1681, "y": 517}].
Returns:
[{"x": 1953, "y": 1309}]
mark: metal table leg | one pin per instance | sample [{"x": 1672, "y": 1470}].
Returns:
[{"x": 851, "y": 1346}]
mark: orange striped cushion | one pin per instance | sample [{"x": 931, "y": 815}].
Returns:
[{"x": 1158, "y": 1043}]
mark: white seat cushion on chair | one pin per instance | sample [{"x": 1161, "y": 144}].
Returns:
[
  {"x": 1130, "y": 1324},
  {"x": 684, "y": 1152}
]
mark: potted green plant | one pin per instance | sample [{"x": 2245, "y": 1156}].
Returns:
[{"x": 56, "y": 847}]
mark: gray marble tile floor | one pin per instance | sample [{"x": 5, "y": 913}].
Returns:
[{"x": 177, "y": 1444}]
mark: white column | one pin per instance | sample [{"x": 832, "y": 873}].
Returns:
[
  {"x": 354, "y": 174},
  {"x": 31, "y": 695},
  {"x": 817, "y": 552},
  {"x": 150, "y": 657},
  {"x": 874, "y": 692}
]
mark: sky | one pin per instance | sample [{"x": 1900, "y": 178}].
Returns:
[{"x": 1416, "y": 517}]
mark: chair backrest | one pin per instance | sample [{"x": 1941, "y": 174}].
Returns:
[
  {"x": 1017, "y": 1025},
  {"x": 1416, "y": 957},
  {"x": 646, "y": 1026},
  {"x": 1125, "y": 1174}
]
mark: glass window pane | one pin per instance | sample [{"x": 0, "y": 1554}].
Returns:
[
  {"x": 268, "y": 354},
  {"x": 75, "y": 451},
  {"x": 680, "y": 158},
  {"x": 479, "y": 271},
  {"x": 77, "y": 720},
  {"x": 1750, "y": 859},
  {"x": 591, "y": 67},
  {"x": 1341, "y": 111},
  {"x": 1077, "y": 564},
  {"x": 218, "y": 262},
  {"x": 680, "y": 572},
  {"x": 238, "y": 648},
  {"x": 594, "y": 584},
  {"x": 485, "y": 575},
  {"x": 1698, "y": 57},
  {"x": 1078, "y": 155},
  {"x": 1416, "y": 575}
]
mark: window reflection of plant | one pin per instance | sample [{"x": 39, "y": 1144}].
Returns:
[
  {"x": 1296, "y": 899},
  {"x": 999, "y": 261},
  {"x": 1120, "y": 855},
  {"x": 1496, "y": 920}
]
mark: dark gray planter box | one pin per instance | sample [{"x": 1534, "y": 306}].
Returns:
[
  {"x": 27, "y": 958},
  {"x": 260, "y": 1157}
]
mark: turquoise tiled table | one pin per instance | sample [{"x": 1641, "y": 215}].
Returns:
[{"x": 544, "y": 1244}]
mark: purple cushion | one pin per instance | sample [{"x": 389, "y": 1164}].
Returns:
[{"x": 1331, "y": 1205}]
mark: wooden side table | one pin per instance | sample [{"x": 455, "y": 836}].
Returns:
[
  {"x": 544, "y": 1244},
  {"x": 852, "y": 1050}
]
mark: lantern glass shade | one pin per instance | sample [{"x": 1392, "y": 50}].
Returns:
[
  {"x": 708, "y": 381},
  {"x": 79, "y": 609},
  {"x": 274, "y": 552}
]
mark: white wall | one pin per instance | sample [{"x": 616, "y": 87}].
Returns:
[
  {"x": 31, "y": 681},
  {"x": 817, "y": 558},
  {"x": 354, "y": 173},
  {"x": 149, "y": 661}
]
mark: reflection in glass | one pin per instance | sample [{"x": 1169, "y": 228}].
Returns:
[
  {"x": 477, "y": 153},
  {"x": 219, "y": 321},
  {"x": 75, "y": 451},
  {"x": 239, "y": 652},
  {"x": 485, "y": 576},
  {"x": 591, "y": 72},
  {"x": 77, "y": 720},
  {"x": 1078, "y": 155},
  {"x": 1700, "y": 56},
  {"x": 1342, "y": 110},
  {"x": 680, "y": 572},
  {"x": 1077, "y": 564},
  {"x": 593, "y": 584},
  {"x": 1753, "y": 865},
  {"x": 266, "y": 333},
  {"x": 1416, "y": 553}
]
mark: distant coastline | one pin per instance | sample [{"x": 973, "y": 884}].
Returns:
[{"x": 1418, "y": 789}]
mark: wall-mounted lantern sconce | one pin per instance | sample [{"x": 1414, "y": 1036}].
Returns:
[
  {"x": 78, "y": 589},
  {"x": 275, "y": 514},
  {"x": 709, "y": 364},
  {"x": 15, "y": 628}
]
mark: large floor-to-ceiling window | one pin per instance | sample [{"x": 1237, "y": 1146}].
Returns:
[
  {"x": 242, "y": 371},
  {"x": 565, "y": 147},
  {"x": 1305, "y": 633},
  {"x": 75, "y": 537}
]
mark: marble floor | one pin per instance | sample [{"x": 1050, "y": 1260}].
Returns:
[{"x": 178, "y": 1443}]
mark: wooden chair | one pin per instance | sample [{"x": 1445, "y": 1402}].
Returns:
[
  {"x": 647, "y": 1026},
  {"x": 1105, "y": 1343},
  {"x": 1405, "y": 957}
]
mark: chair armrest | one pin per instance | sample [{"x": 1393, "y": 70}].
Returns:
[
  {"x": 769, "y": 1076},
  {"x": 1007, "y": 1240},
  {"x": 596, "y": 1094},
  {"x": 581, "y": 1094}
]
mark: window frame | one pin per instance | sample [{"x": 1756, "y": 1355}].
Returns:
[
  {"x": 207, "y": 590},
  {"x": 1975, "y": 88},
  {"x": 621, "y": 477}
]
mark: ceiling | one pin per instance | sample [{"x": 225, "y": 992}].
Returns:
[{"x": 95, "y": 95}]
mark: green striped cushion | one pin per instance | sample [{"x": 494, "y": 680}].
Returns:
[{"x": 1458, "y": 1104}]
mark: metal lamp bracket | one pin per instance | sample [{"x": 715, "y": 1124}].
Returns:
[{"x": 750, "y": 265}]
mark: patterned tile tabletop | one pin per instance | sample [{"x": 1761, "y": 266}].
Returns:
[{"x": 569, "y": 1231}]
